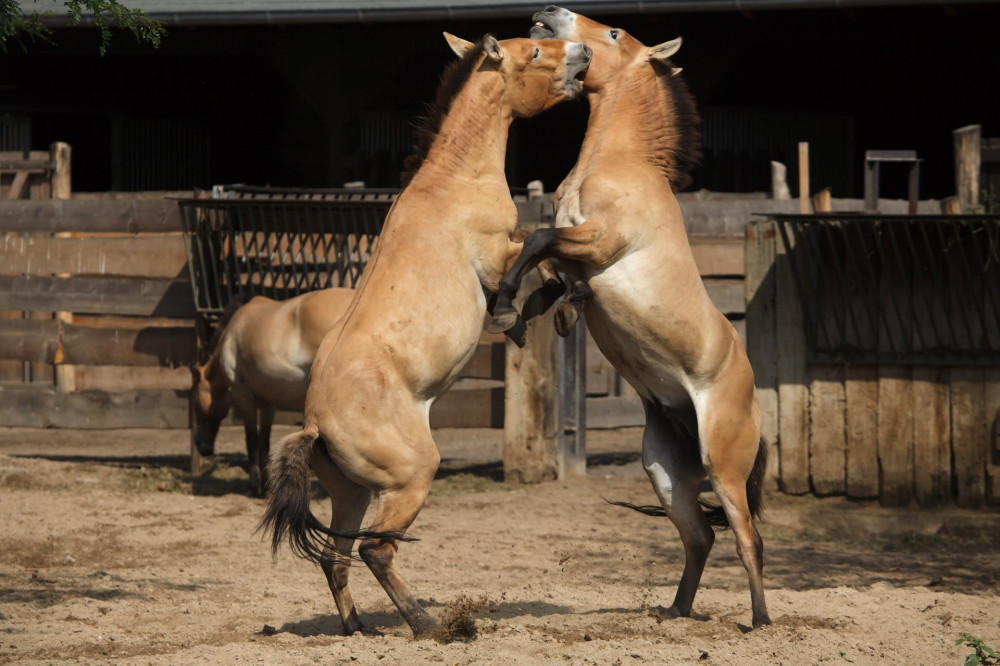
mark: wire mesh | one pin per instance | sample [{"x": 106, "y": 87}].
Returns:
[
  {"x": 900, "y": 289},
  {"x": 276, "y": 247}
]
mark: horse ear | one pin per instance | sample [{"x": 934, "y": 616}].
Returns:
[
  {"x": 493, "y": 48},
  {"x": 674, "y": 71},
  {"x": 664, "y": 50},
  {"x": 457, "y": 44}
]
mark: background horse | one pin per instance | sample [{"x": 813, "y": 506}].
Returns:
[
  {"x": 260, "y": 360},
  {"x": 416, "y": 320},
  {"x": 619, "y": 221}
]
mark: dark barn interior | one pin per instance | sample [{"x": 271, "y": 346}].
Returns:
[{"x": 317, "y": 105}]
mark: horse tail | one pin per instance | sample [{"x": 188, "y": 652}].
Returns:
[
  {"x": 287, "y": 515},
  {"x": 715, "y": 514}
]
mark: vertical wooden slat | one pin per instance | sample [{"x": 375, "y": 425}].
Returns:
[
  {"x": 970, "y": 435},
  {"x": 931, "y": 436},
  {"x": 992, "y": 398},
  {"x": 895, "y": 434},
  {"x": 827, "y": 430},
  {"x": 761, "y": 338},
  {"x": 793, "y": 390},
  {"x": 861, "y": 409},
  {"x": 967, "y": 144}
]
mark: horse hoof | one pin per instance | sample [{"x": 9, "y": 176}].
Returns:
[
  {"x": 565, "y": 318},
  {"x": 661, "y": 613},
  {"x": 503, "y": 321}
]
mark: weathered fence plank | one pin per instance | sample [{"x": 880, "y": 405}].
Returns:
[
  {"x": 718, "y": 255},
  {"x": 163, "y": 298},
  {"x": 90, "y": 215},
  {"x": 931, "y": 436},
  {"x": 146, "y": 256},
  {"x": 793, "y": 389},
  {"x": 761, "y": 337},
  {"x": 895, "y": 434},
  {"x": 727, "y": 294},
  {"x": 970, "y": 434},
  {"x": 992, "y": 398},
  {"x": 861, "y": 411},
  {"x": 827, "y": 431},
  {"x": 44, "y": 342}
]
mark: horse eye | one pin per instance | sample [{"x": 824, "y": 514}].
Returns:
[
  {"x": 613, "y": 34},
  {"x": 538, "y": 54}
]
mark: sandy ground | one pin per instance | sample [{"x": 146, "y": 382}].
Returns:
[{"x": 111, "y": 553}]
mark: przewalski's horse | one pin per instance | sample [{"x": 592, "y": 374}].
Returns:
[
  {"x": 260, "y": 361},
  {"x": 415, "y": 322},
  {"x": 620, "y": 225}
]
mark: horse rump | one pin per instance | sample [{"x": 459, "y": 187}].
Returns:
[{"x": 287, "y": 515}]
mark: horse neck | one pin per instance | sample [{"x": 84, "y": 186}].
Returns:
[
  {"x": 633, "y": 118},
  {"x": 472, "y": 141},
  {"x": 214, "y": 372}
]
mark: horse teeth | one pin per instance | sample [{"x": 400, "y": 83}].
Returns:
[{"x": 539, "y": 24}]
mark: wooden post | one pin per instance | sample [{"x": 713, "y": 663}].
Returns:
[
  {"x": 573, "y": 401},
  {"x": 822, "y": 201},
  {"x": 762, "y": 344},
  {"x": 779, "y": 182},
  {"x": 967, "y": 142},
  {"x": 62, "y": 176},
  {"x": 861, "y": 416},
  {"x": 804, "y": 178},
  {"x": 531, "y": 403},
  {"x": 62, "y": 188},
  {"x": 793, "y": 389}
]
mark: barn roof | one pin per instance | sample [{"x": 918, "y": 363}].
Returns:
[{"x": 229, "y": 12}]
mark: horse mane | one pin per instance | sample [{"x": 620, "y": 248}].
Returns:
[
  {"x": 232, "y": 306},
  {"x": 453, "y": 79},
  {"x": 685, "y": 155}
]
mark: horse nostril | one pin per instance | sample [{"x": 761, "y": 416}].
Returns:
[
  {"x": 587, "y": 51},
  {"x": 551, "y": 9}
]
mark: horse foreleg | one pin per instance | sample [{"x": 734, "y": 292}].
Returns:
[
  {"x": 671, "y": 460},
  {"x": 590, "y": 243},
  {"x": 349, "y": 502},
  {"x": 263, "y": 452},
  {"x": 247, "y": 409},
  {"x": 569, "y": 311}
]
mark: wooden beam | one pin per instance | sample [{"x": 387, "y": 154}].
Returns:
[
  {"x": 718, "y": 255},
  {"x": 761, "y": 338},
  {"x": 62, "y": 180},
  {"x": 91, "y": 215},
  {"x": 727, "y": 294},
  {"x": 487, "y": 362},
  {"x": 120, "y": 296},
  {"x": 804, "y": 199},
  {"x": 48, "y": 341},
  {"x": 967, "y": 145},
  {"x": 147, "y": 257}
]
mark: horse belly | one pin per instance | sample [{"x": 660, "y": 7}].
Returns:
[{"x": 635, "y": 335}]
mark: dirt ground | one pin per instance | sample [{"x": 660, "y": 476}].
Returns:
[{"x": 110, "y": 552}]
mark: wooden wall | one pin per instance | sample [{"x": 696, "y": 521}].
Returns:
[{"x": 924, "y": 435}]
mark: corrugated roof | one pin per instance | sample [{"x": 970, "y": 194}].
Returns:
[{"x": 221, "y": 12}]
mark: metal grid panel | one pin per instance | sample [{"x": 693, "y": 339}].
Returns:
[
  {"x": 278, "y": 248},
  {"x": 897, "y": 289}
]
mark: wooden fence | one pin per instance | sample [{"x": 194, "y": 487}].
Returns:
[{"x": 925, "y": 434}]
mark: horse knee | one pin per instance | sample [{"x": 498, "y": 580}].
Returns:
[{"x": 377, "y": 552}]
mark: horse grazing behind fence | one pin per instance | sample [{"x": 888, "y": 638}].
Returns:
[
  {"x": 620, "y": 226},
  {"x": 260, "y": 360},
  {"x": 416, "y": 321}
]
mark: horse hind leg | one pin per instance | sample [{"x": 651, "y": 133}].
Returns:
[
  {"x": 264, "y": 443},
  {"x": 671, "y": 460},
  {"x": 731, "y": 445},
  {"x": 398, "y": 508},
  {"x": 247, "y": 409},
  {"x": 349, "y": 502}
]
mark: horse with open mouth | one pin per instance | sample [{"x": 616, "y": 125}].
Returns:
[
  {"x": 619, "y": 225},
  {"x": 416, "y": 321}
]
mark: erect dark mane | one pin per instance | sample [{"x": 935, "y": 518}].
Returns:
[
  {"x": 687, "y": 151},
  {"x": 453, "y": 79},
  {"x": 232, "y": 306}
]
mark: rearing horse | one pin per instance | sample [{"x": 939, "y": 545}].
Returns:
[
  {"x": 620, "y": 225},
  {"x": 415, "y": 322}
]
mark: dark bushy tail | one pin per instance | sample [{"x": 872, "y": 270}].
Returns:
[
  {"x": 287, "y": 514},
  {"x": 713, "y": 512}
]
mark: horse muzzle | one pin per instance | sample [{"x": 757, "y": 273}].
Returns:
[
  {"x": 552, "y": 23},
  {"x": 578, "y": 58}
]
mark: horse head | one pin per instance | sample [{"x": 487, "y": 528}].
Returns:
[
  {"x": 209, "y": 405},
  {"x": 537, "y": 73},
  {"x": 614, "y": 49}
]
